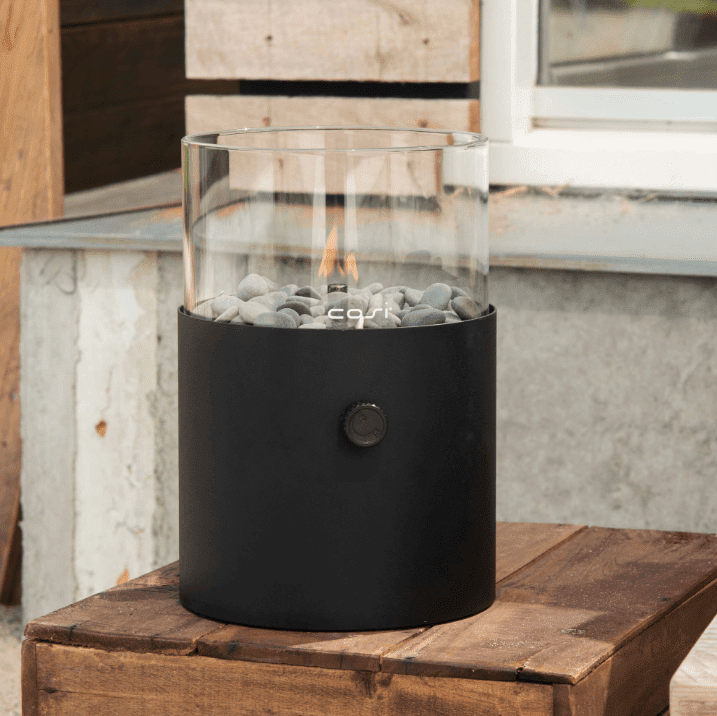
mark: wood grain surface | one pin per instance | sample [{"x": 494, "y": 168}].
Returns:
[
  {"x": 588, "y": 622},
  {"x": 569, "y": 611},
  {"x": 123, "y": 88},
  {"x": 124, "y": 141},
  {"x": 635, "y": 680},
  {"x": 31, "y": 189},
  {"x": 77, "y": 12},
  {"x": 398, "y": 41},
  {"x": 80, "y": 682},
  {"x": 145, "y": 615},
  {"x": 114, "y": 63},
  {"x": 206, "y": 113},
  {"x": 693, "y": 689}
]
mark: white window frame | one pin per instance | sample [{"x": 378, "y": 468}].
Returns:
[{"x": 661, "y": 139}]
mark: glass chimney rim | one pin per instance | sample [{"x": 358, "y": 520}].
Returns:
[{"x": 454, "y": 140}]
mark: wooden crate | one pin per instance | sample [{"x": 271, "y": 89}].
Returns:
[
  {"x": 358, "y": 40},
  {"x": 587, "y": 621}
]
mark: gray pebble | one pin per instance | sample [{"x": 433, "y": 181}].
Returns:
[
  {"x": 313, "y": 325},
  {"x": 298, "y": 306},
  {"x": 437, "y": 295},
  {"x": 419, "y": 307},
  {"x": 318, "y": 311},
  {"x": 396, "y": 320},
  {"x": 228, "y": 315},
  {"x": 331, "y": 299},
  {"x": 251, "y": 286},
  {"x": 203, "y": 309},
  {"x": 424, "y": 317},
  {"x": 376, "y": 301},
  {"x": 321, "y": 319},
  {"x": 392, "y": 306},
  {"x": 382, "y": 322},
  {"x": 275, "y": 320},
  {"x": 466, "y": 308},
  {"x": 401, "y": 314},
  {"x": 309, "y": 292},
  {"x": 290, "y": 289},
  {"x": 451, "y": 317},
  {"x": 398, "y": 298},
  {"x": 306, "y": 300},
  {"x": 344, "y": 301},
  {"x": 455, "y": 292},
  {"x": 304, "y": 319},
  {"x": 370, "y": 325},
  {"x": 293, "y": 314},
  {"x": 375, "y": 287},
  {"x": 237, "y": 321},
  {"x": 250, "y": 311},
  {"x": 271, "y": 300},
  {"x": 394, "y": 289},
  {"x": 222, "y": 303},
  {"x": 413, "y": 296}
]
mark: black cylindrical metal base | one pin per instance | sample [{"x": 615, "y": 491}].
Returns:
[{"x": 286, "y": 523}]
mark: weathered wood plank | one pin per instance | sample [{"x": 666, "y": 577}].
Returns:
[
  {"x": 81, "y": 682},
  {"x": 121, "y": 142},
  {"x": 115, "y": 63},
  {"x": 403, "y": 41},
  {"x": 518, "y": 544},
  {"x": 206, "y": 113},
  {"x": 29, "y": 679},
  {"x": 567, "y": 612},
  {"x": 139, "y": 616},
  {"x": 77, "y": 12},
  {"x": 30, "y": 189},
  {"x": 635, "y": 680},
  {"x": 693, "y": 689}
]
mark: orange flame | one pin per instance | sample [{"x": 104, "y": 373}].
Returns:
[
  {"x": 330, "y": 260},
  {"x": 351, "y": 266}
]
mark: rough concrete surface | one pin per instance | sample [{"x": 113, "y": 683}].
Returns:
[
  {"x": 606, "y": 409},
  {"x": 10, "y": 638}
]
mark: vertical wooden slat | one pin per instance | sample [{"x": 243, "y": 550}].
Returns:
[
  {"x": 31, "y": 189},
  {"x": 29, "y": 678}
]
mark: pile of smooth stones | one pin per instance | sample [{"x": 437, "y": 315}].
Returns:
[{"x": 260, "y": 302}]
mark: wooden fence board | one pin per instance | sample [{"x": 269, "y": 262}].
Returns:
[
  {"x": 364, "y": 40},
  {"x": 206, "y": 113}
]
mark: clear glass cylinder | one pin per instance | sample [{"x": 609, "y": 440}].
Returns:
[{"x": 286, "y": 215}]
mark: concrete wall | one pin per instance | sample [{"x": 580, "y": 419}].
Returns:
[
  {"x": 606, "y": 399},
  {"x": 606, "y": 409}
]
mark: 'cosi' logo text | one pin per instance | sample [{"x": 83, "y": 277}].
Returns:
[{"x": 355, "y": 313}]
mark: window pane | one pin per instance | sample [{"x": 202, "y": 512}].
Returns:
[{"x": 628, "y": 43}]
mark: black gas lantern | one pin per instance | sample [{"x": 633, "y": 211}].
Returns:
[{"x": 336, "y": 379}]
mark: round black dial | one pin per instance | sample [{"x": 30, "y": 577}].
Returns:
[{"x": 365, "y": 424}]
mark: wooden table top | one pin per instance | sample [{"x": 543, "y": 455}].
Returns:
[{"x": 576, "y": 607}]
